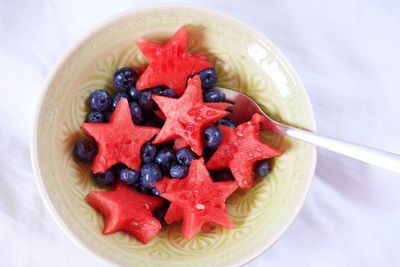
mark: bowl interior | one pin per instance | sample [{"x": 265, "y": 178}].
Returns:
[{"x": 244, "y": 61}]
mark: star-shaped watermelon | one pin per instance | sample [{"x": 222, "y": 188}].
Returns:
[
  {"x": 119, "y": 140},
  {"x": 124, "y": 209},
  {"x": 170, "y": 64},
  {"x": 187, "y": 117},
  {"x": 200, "y": 199},
  {"x": 240, "y": 149}
]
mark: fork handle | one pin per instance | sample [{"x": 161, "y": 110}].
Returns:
[{"x": 387, "y": 160}]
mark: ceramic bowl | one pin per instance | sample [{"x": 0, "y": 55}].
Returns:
[{"x": 245, "y": 61}]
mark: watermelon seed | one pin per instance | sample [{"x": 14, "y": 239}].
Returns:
[{"x": 200, "y": 206}]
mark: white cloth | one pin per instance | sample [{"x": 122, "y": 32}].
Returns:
[{"x": 346, "y": 53}]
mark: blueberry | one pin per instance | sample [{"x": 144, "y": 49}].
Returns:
[
  {"x": 168, "y": 92},
  {"x": 212, "y": 137},
  {"x": 129, "y": 176},
  {"x": 116, "y": 98},
  {"x": 148, "y": 152},
  {"x": 155, "y": 191},
  {"x": 214, "y": 95},
  {"x": 136, "y": 112},
  {"x": 133, "y": 93},
  {"x": 124, "y": 78},
  {"x": 185, "y": 156},
  {"x": 85, "y": 150},
  {"x": 95, "y": 117},
  {"x": 227, "y": 123},
  {"x": 165, "y": 157},
  {"x": 222, "y": 175},
  {"x": 178, "y": 171},
  {"x": 146, "y": 102},
  {"x": 151, "y": 174},
  {"x": 100, "y": 100},
  {"x": 208, "y": 78},
  {"x": 262, "y": 168},
  {"x": 104, "y": 178}
]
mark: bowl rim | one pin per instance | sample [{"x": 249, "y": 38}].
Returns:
[{"x": 94, "y": 30}]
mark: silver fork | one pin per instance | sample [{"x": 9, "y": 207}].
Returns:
[{"x": 244, "y": 107}]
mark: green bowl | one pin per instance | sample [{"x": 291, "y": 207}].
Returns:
[{"x": 245, "y": 61}]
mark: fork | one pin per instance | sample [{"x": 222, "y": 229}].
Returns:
[{"x": 244, "y": 107}]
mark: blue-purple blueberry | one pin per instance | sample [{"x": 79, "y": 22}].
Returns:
[
  {"x": 95, "y": 117},
  {"x": 104, "y": 178},
  {"x": 85, "y": 150},
  {"x": 208, "y": 78},
  {"x": 212, "y": 137},
  {"x": 100, "y": 100},
  {"x": 124, "y": 78},
  {"x": 129, "y": 176}
]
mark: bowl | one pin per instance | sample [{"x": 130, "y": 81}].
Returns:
[{"x": 244, "y": 60}]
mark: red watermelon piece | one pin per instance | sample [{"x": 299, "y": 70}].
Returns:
[
  {"x": 240, "y": 149},
  {"x": 170, "y": 64},
  {"x": 187, "y": 116},
  {"x": 124, "y": 209},
  {"x": 119, "y": 140},
  {"x": 200, "y": 199}
]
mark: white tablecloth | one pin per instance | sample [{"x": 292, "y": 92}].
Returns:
[{"x": 347, "y": 54}]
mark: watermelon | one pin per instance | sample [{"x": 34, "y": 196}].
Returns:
[
  {"x": 170, "y": 64},
  {"x": 187, "y": 116},
  {"x": 240, "y": 149},
  {"x": 200, "y": 199},
  {"x": 119, "y": 140},
  {"x": 124, "y": 209}
]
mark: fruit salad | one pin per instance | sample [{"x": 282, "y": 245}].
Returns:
[{"x": 163, "y": 149}]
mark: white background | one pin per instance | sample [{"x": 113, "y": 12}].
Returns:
[{"x": 346, "y": 53}]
